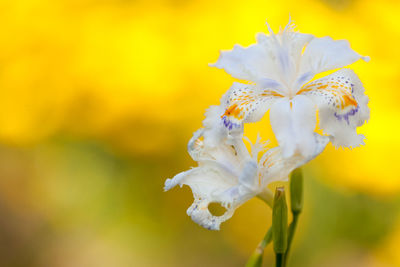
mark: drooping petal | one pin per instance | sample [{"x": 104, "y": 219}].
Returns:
[
  {"x": 211, "y": 184},
  {"x": 342, "y": 106},
  {"x": 206, "y": 183},
  {"x": 323, "y": 54},
  {"x": 293, "y": 122},
  {"x": 247, "y": 103}
]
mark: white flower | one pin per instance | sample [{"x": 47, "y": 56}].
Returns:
[
  {"x": 280, "y": 67},
  {"x": 228, "y": 173}
]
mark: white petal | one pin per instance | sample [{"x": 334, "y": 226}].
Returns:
[
  {"x": 252, "y": 63},
  {"x": 295, "y": 42},
  {"x": 211, "y": 184},
  {"x": 249, "y": 174},
  {"x": 285, "y": 48},
  {"x": 247, "y": 103},
  {"x": 224, "y": 156},
  {"x": 275, "y": 167},
  {"x": 206, "y": 183},
  {"x": 171, "y": 183},
  {"x": 214, "y": 129},
  {"x": 200, "y": 214},
  {"x": 195, "y": 145},
  {"x": 293, "y": 122},
  {"x": 323, "y": 54},
  {"x": 342, "y": 106}
]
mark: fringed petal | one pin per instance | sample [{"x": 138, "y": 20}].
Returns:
[
  {"x": 342, "y": 105},
  {"x": 323, "y": 54},
  {"x": 212, "y": 184},
  {"x": 247, "y": 103}
]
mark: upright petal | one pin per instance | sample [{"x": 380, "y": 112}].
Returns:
[
  {"x": 295, "y": 43},
  {"x": 252, "y": 63},
  {"x": 323, "y": 54},
  {"x": 293, "y": 122},
  {"x": 247, "y": 103},
  {"x": 214, "y": 129},
  {"x": 285, "y": 48},
  {"x": 342, "y": 106},
  {"x": 195, "y": 145}
]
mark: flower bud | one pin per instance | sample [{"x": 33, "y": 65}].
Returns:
[
  {"x": 279, "y": 221},
  {"x": 296, "y": 191}
]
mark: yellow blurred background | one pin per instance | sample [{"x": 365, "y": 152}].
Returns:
[{"x": 99, "y": 98}]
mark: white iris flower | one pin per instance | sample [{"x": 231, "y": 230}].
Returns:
[
  {"x": 280, "y": 67},
  {"x": 227, "y": 173}
]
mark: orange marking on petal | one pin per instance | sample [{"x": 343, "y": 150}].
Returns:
[
  {"x": 341, "y": 102},
  {"x": 234, "y": 111},
  {"x": 349, "y": 101},
  {"x": 305, "y": 89},
  {"x": 268, "y": 157},
  {"x": 271, "y": 164},
  {"x": 271, "y": 93}
]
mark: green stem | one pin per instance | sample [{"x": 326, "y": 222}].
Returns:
[
  {"x": 267, "y": 239},
  {"x": 255, "y": 259},
  {"x": 291, "y": 232},
  {"x": 279, "y": 259}
]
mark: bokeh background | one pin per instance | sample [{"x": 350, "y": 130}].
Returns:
[{"x": 98, "y": 99}]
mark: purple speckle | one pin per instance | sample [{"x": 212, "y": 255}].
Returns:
[
  {"x": 352, "y": 88},
  {"x": 229, "y": 124},
  {"x": 345, "y": 116}
]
